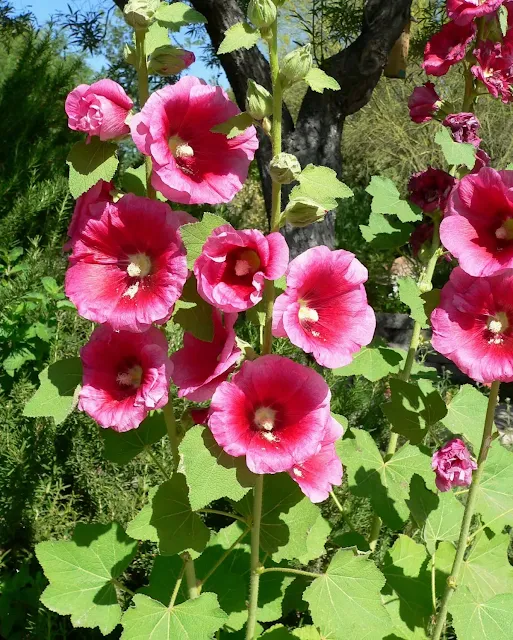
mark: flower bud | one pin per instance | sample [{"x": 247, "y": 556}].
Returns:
[
  {"x": 302, "y": 212},
  {"x": 284, "y": 168},
  {"x": 259, "y": 102},
  {"x": 262, "y": 13},
  {"x": 168, "y": 60},
  {"x": 266, "y": 126},
  {"x": 139, "y": 14},
  {"x": 296, "y": 65}
]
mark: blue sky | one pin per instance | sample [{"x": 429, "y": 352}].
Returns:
[{"x": 44, "y": 9}]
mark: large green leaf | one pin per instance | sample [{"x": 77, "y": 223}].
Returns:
[
  {"x": 191, "y": 620},
  {"x": 194, "y": 235},
  {"x": 210, "y": 472},
  {"x": 413, "y": 408},
  {"x": 386, "y": 484},
  {"x": 178, "y": 527},
  {"x": 444, "y": 523},
  {"x": 386, "y": 199},
  {"x": 82, "y": 572},
  {"x": 466, "y": 414},
  {"x": 383, "y": 233},
  {"x": 123, "y": 447},
  {"x": 89, "y": 162},
  {"x": 345, "y": 602},
  {"x": 422, "y": 501},
  {"x": 318, "y": 80},
  {"x": 455, "y": 153},
  {"x": 408, "y": 590},
  {"x": 193, "y": 313},
  {"x": 287, "y": 518},
  {"x": 495, "y": 491},
  {"x": 57, "y": 396},
  {"x": 477, "y": 620},
  {"x": 409, "y": 294},
  {"x": 177, "y": 15},
  {"x": 239, "y": 36},
  {"x": 165, "y": 572},
  {"x": 321, "y": 185},
  {"x": 139, "y": 527},
  {"x": 373, "y": 363}
]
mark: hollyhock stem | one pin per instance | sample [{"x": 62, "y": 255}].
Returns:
[
  {"x": 144, "y": 94},
  {"x": 223, "y": 558},
  {"x": 452, "y": 580},
  {"x": 267, "y": 334},
  {"x": 297, "y": 572},
  {"x": 190, "y": 577},
  {"x": 424, "y": 284},
  {"x": 169, "y": 418}
]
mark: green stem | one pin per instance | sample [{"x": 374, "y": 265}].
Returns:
[
  {"x": 190, "y": 577},
  {"x": 452, "y": 580},
  {"x": 177, "y": 587},
  {"x": 344, "y": 515},
  {"x": 169, "y": 418},
  {"x": 122, "y": 587},
  {"x": 433, "y": 580},
  {"x": 254, "y": 584},
  {"x": 223, "y": 558},
  {"x": 144, "y": 94},
  {"x": 297, "y": 572},
  {"x": 223, "y": 513},
  {"x": 157, "y": 462},
  {"x": 424, "y": 284}
]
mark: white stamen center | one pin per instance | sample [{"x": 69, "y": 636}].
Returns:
[
  {"x": 179, "y": 148},
  {"x": 131, "y": 291},
  {"x": 139, "y": 266},
  {"x": 297, "y": 472},
  {"x": 498, "y": 323},
  {"x": 264, "y": 418},
  {"x": 131, "y": 378},
  {"x": 307, "y": 314},
  {"x": 242, "y": 268}
]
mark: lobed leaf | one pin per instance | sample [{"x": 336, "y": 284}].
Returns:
[
  {"x": 321, "y": 185},
  {"x": 177, "y": 15},
  {"x": 477, "y": 620},
  {"x": 234, "y": 126},
  {"x": 410, "y": 295},
  {"x": 193, "y": 313},
  {"x": 495, "y": 491},
  {"x": 386, "y": 199},
  {"x": 123, "y": 447},
  {"x": 239, "y": 36},
  {"x": 444, "y": 523},
  {"x": 383, "y": 233},
  {"x": 373, "y": 363},
  {"x": 195, "y": 235},
  {"x": 318, "y": 80},
  {"x": 455, "y": 153},
  {"x": 466, "y": 414},
  {"x": 89, "y": 162}
]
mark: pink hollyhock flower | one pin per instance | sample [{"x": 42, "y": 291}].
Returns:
[
  {"x": 430, "y": 189},
  {"x": 191, "y": 164},
  {"x": 482, "y": 160},
  {"x": 495, "y": 68},
  {"x": 423, "y": 103},
  {"x": 128, "y": 267},
  {"x": 234, "y": 264},
  {"x": 126, "y": 375},
  {"x": 465, "y": 11},
  {"x": 99, "y": 110},
  {"x": 447, "y": 47},
  {"x": 478, "y": 224},
  {"x": 83, "y": 212},
  {"x": 317, "y": 475},
  {"x": 200, "y": 367},
  {"x": 420, "y": 236},
  {"x": 453, "y": 465},
  {"x": 463, "y": 127},
  {"x": 274, "y": 411},
  {"x": 324, "y": 309},
  {"x": 473, "y": 326}
]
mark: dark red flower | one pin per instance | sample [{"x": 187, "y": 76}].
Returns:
[
  {"x": 430, "y": 189},
  {"x": 447, "y": 47},
  {"x": 463, "y": 127},
  {"x": 495, "y": 68},
  {"x": 423, "y": 103}
]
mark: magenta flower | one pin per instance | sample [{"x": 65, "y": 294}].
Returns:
[
  {"x": 317, "y": 475},
  {"x": 126, "y": 375},
  {"x": 447, "y": 47},
  {"x": 430, "y": 189},
  {"x": 495, "y": 68},
  {"x": 274, "y": 411},
  {"x": 324, "y": 309},
  {"x": 463, "y": 127},
  {"x": 234, "y": 264},
  {"x": 453, "y": 465},
  {"x": 465, "y": 11},
  {"x": 423, "y": 103},
  {"x": 478, "y": 224},
  {"x": 191, "y": 164},
  {"x": 99, "y": 110},
  {"x": 200, "y": 367},
  {"x": 482, "y": 160},
  {"x": 84, "y": 211},
  {"x": 473, "y": 326},
  {"x": 128, "y": 267}
]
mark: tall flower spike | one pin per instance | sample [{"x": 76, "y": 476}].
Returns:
[
  {"x": 125, "y": 376},
  {"x": 324, "y": 309},
  {"x": 274, "y": 411},
  {"x": 234, "y": 264},
  {"x": 473, "y": 326},
  {"x": 191, "y": 164},
  {"x": 128, "y": 267}
]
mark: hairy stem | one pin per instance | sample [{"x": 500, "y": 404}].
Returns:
[
  {"x": 223, "y": 557},
  {"x": 190, "y": 577},
  {"x": 169, "y": 417},
  {"x": 297, "y": 572},
  {"x": 224, "y": 513},
  {"x": 255, "y": 557},
  {"x": 452, "y": 580},
  {"x": 144, "y": 94},
  {"x": 177, "y": 587},
  {"x": 122, "y": 587},
  {"x": 156, "y": 461}
]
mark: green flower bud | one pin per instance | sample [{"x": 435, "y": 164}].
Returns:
[
  {"x": 266, "y": 126},
  {"x": 302, "y": 212},
  {"x": 279, "y": 3},
  {"x": 284, "y": 168},
  {"x": 139, "y": 14},
  {"x": 168, "y": 60},
  {"x": 262, "y": 13},
  {"x": 296, "y": 65},
  {"x": 259, "y": 102}
]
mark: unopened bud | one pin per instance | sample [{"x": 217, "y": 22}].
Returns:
[
  {"x": 139, "y": 14},
  {"x": 168, "y": 60},
  {"x": 262, "y": 13},
  {"x": 266, "y": 126},
  {"x": 284, "y": 168},
  {"x": 279, "y": 3},
  {"x": 296, "y": 65},
  {"x": 259, "y": 102},
  {"x": 302, "y": 212}
]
